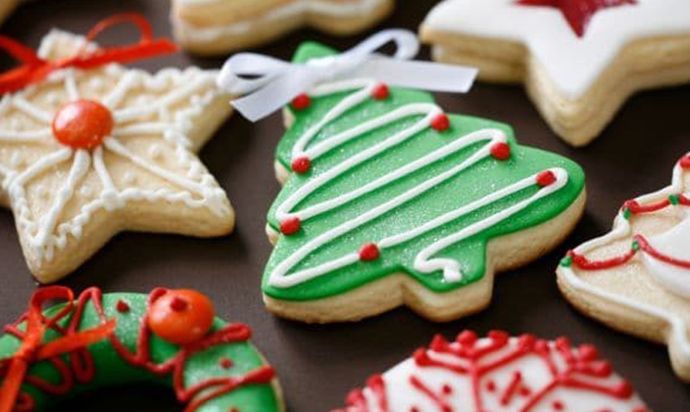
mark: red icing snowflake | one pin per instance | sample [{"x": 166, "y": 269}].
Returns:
[{"x": 498, "y": 373}]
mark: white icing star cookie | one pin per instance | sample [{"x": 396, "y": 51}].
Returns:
[
  {"x": 579, "y": 60},
  {"x": 637, "y": 277},
  {"x": 85, "y": 154},
  {"x": 221, "y": 26},
  {"x": 498, "y": 373}
]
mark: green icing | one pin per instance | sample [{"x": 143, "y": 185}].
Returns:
[
  {"x": 112, "y": 370},
  {"x": 481, "y": 179}
]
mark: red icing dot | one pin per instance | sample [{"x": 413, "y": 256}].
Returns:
[
  {"x": 685, "y": 161},
  {"x": 467, "y": 337},
  {"x": 546, "y": 178},
  {"x": 524, "y": 391},
  {"x": 290, "y": 225},
  {"x": 447, "y": 389},
  {"x": 491, "y": 386},
  {"x": 500, "y": 151},
  {"x": 369, "y": 252},
  {"x": 122, "y": 306},
  {"x": 181, "y": 316},
  {"x": 380, "y": 92},
  {"x": 557, "y": 405},
  {"x": 301, "y": 102},
  {"x": 226, "y": 363},
  {"x": 440, "y": 122},
  {"x": 82, "y": 124},
  {"x": 301, "y": 165}
]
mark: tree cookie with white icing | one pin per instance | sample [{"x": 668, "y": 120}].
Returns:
[
  {"x": 390, "y": 201},
  {"x": 220, "y": 26},
  {"x": 168, "y": 338},
  {"x": 498, "y": 373},
  {"x": 637, "y": 277},
  {"x": 579, "y": 60},
  {"x": 92, "y": 149}
]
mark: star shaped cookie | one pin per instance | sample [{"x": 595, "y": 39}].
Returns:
[
  {"x": 85, "y": 154},
  {"x": 579, "y": 62},
  {"x": 221, "y": 26},
  {"x": 637, "y": 277}
]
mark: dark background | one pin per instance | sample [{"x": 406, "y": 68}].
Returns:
[{"x": 318, "y": 365}]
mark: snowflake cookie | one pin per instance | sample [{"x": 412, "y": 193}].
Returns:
[
  {"x": 390, "y": 201},
  {"x": 498, "y": 373},
  {"x": 87, "y": 153},
  {"x": 221, "y": 26},
  {"x": 579, "y": 59},
  {"x": 637, "y": 277}
]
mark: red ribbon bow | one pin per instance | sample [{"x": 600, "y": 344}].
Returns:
[
  {"x": 34, "y": 69},
  {"x": 32, "y": 348}
]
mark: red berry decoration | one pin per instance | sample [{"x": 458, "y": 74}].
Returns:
[
  {"x": 301, "y": 102},
  {"x": 369, "y": 252},
  {"x": 500, "y": 151},
  {"x": 440, "y": 122},
  {"x": 380, "y": 92},
  {"x": 301, "y": 165},
  {"x": 685, "y": 161},
  {"x": 82, "y": 124},
  {"x": 181, "y": 316},
  {"x": 290, "y": 225},
  {"x": 546, "y": 178},
  {"x": 122, "y": 306}
]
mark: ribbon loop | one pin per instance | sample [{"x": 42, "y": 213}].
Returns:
[
  {"x": 32, "y": 347},
  {"x": 34, "y": 69},
  {"x": 266, "y": 84}
]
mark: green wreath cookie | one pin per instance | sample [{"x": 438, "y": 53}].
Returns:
[{"x": 168, "y": 337}]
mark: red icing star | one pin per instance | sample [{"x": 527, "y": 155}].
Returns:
[{"x": 578, "y": 13}]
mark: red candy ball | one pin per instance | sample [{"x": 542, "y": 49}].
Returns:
[
  {"x": 369, "y": 252},
  {"x": 181, "y": 316},
  {"x": 301, "y": 165},
  {"x": 380, "y": 92},
  {"x": 82, "y": 124},
  {"x": 440, "y": 122},
  {"x": 500, "y": 151},
  {"x": 301, "y": 102},
  {"x": 546, "y": 178},
  {"x": 290, "y": 225}
]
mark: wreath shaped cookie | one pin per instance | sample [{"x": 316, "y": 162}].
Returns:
[
  {"x": 169, "y": 337},
  {"x": 221, "y": 26},
  {"x": 498, "y": 373},
  {"x": 637, "y": 277}
]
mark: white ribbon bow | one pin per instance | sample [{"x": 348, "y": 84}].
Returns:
[{"x": 268, "y": 84}]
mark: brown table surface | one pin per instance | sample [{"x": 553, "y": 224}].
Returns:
[{"x": 318, "y": 365}]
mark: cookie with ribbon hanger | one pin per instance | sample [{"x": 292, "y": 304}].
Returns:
[
  {"x": 211, "y": 27},
  {"x": 387, "y": 199},
  {"x": 89, "y": 147}
]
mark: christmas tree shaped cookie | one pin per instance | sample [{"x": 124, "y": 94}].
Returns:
[
  {"x": 637, "y": 277},
  {"x": 390, "y": 201},
  {"x": 86, "y": 153}
]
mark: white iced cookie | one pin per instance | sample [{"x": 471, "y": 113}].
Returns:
[
  {"x": 85, "y": 154},
  {"x": 221, "y": 26},
  {"x": 637, "y": 277},
  {"x": 498, "y": 373},
  {"x": 579, "y": 60}
]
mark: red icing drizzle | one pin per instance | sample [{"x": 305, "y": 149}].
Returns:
[
  {"x": 80, "y": 365},
  {"x": 639, "y": 241},
  {"x": 577, "y": 13},
  {"x": 576, "y": 368}
]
